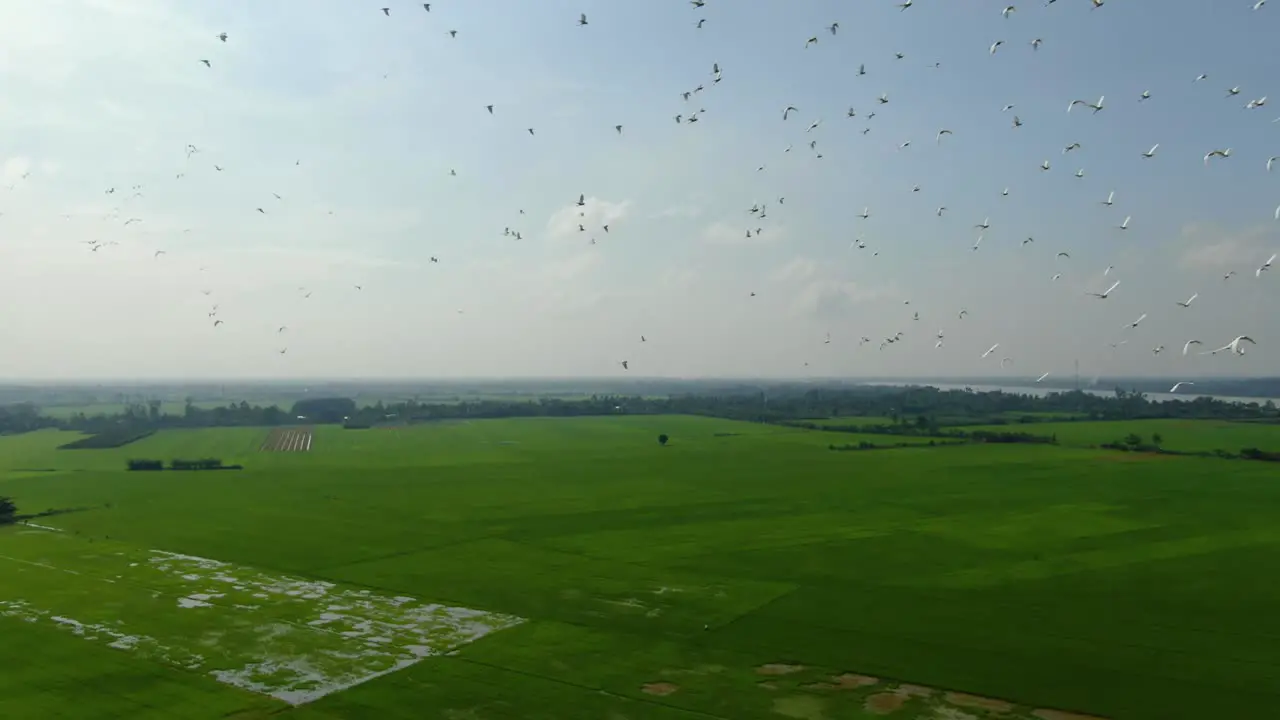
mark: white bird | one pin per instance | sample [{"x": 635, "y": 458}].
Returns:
[
  {"x": 1189, "y": 300},
  {"x": 1177, "y": 385},
  {"x": 1005, "y": 360},
  {"x": 1234, "y": 346},
  {"x": 1151, "y": 152},
  {"x": 1146, "y": 95},
  {"x": 1157, "y": 350},
  {"x": 1125, "y": 225},
  {"x": 1188, "y": 345},
  {"x": 813, "y": 125},
  {"x": 1035, "y": 44},
  {"x": 1216, "y": 153},
  {"x": 1271, "y": 161},
  {"x": 866, "y": 213},
  {"x": 1005, "y": 12},
  {"x": 985, "y": 224},
  {"x": 977, "y": 242},
  {"x": 941, "y": 209},
  {"x": 1265, "y": 266},
  {"x": 944, "y": 131},
  {"x": 1134, "y": 324},
  {"x": 1111, "y": 199},
  {"x": 993, "y": 349},
  {"x": 1044, "y": 165},
  {"x": 1107, "y": 293},
  {"x": 995, "y": 45},
  {"x": 1042, "y": 377},
  {"x": 1080, "y": 173},
  {"x": 1069, "y": 148},
  {"x": 788, "y": 110}
]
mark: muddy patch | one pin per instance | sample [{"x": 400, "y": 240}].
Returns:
[
  {"x": 979, "y": 702},
  {"x": 1060, "y": 715},
  {"x": 909, "y": 691},
  {"x": 884, "y": 703},
  {"x": 778, "y": 669},
  {"x": 661, "y": 689},
  {"x": 291, "y": 638},
  {"x": 851, "y": 681}
]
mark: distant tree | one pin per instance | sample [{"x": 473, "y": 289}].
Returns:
[
  {"x": 331, "y": 410},
  {"x": 8, "y": 511},
  {"x": 1157, "y": 439},
  {"x": 662, "y": 439},
  {"x": 1133, "y": 440}
]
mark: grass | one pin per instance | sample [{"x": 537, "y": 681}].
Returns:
[{"x": 1061, "y": 577}]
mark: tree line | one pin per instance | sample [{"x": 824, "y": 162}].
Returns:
[{"x": 926, "y": 409}]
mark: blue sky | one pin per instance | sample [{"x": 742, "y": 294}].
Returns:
[{"x": 355, "y": 120}]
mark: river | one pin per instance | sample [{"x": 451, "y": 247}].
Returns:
[{"x": 1041, "y": 391}]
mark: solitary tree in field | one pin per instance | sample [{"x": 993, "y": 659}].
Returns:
[
  {"x": 7, "y": 510},
  {"x": 1156, "y": 439},
  {"x": 662, "y": 439}
]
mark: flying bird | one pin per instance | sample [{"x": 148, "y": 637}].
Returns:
[
  {"x": 1188, "y": 345},
  {"x": 1107, "y": 293},
  {"x": 1216, "y": 153},
  {"x": 1234, "y": 346},
  {"x": 1265, "y": 266},
  {"x": 1177, "y": 385},
  {"x": 1188, "y": 301},
  {"x": 582, "y": 20},
  {"x": 386, "y": 11}
]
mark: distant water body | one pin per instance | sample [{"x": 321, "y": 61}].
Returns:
[{"x": 1042, "y": 391}]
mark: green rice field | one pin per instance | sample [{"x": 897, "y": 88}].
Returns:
[{"x": 575, "y": 568}]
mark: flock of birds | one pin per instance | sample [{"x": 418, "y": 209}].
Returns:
[{"x": 693, "y": 112}]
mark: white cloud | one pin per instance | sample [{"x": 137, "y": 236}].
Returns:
[
  {"x": 686, "y": 211},
  {"x": 723, "y": 232},
  {"x": 13, "y": 169},
  {"x": 821, "y": 290},
  {"x": 592, "y": 216},
  {"x": 1213, "y": 247}
]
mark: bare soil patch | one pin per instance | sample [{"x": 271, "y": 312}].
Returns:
[
  {"x": 851, "y": 681},
  {"x": 661, "y": 689},
  {"x": 908, "y": 691},
  {"x": 1061, "y": 715},
  {"x": 979, "y": 702},
  {"x": 768, "y": 684},
  {"x": 884, "y": 703},
  {"x": 778, "y": 669}
]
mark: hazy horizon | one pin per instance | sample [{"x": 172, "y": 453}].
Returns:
[{"x": 355, "y": 119}]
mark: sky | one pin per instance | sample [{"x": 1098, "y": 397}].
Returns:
[{"x": 340, "y": 149}]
